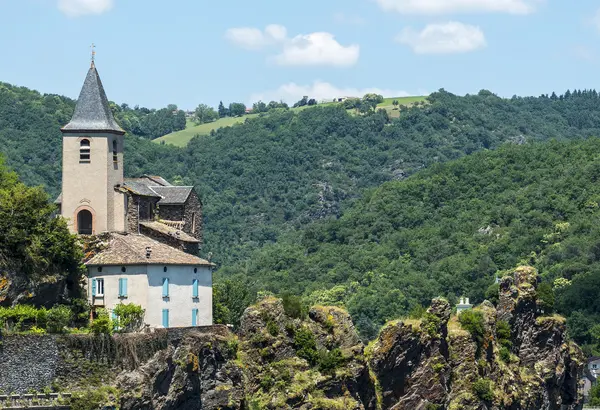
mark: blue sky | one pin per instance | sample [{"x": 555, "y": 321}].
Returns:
[{"x": 156, "y": 52}]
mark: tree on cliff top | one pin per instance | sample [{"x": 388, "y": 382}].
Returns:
[{"x": 34, "y": 245}]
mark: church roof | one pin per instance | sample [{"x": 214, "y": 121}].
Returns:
[
  {"x": 173, "y": 195},
  {"x": 132, "y": 249},
  {"x": 92, "y": 112},
  {"x": 158, "y": 187},
  {"x": 167, "y": 230}
]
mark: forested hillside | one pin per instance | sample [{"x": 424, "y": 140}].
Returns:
[
  {"x": 445, "y": 231},
  {"x": 285, "y": 169}
]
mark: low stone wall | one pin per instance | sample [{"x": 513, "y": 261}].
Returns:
[
  {"x": 27, "y": 362},
  {"x": 36, "y": 362}
]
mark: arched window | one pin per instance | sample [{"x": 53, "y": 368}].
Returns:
[
  {"x": 115, "y": 151},
  {"x": 84, "y": 151},
  {"x": 85, "y": 222}
]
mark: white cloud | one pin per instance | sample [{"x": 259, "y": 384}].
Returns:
[
  {"x": 319, "y": 90},
  {"x": 254, "y": 39},
  {"x": 459, "y": 6},
  {"x": 75, "y": 8},
  {"x": 447, "y": 38},
  {"x": 313, "y": 49},
  {"x": 317, "y": 49}
]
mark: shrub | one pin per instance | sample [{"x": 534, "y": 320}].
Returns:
[
  {"x": 59, "y": 317},
  {"x": 505, "y": 354},
  {"x": 503, "y": 333},
  {"x": 305, "y": 345},
  {"x": 483, "y": 389},
  {"x": 272, "y": 328},
  {"x": 473, "y": 322},
  {"x": 102, "y": 324},
  {"x": 431, "y": 324},
  {"x": 493, "y": 293},
  {"x": 293, "y": 306},
  {"x": 329, "y": 361},
  {"x": 92, "y": 399},
  {"x": 130, "y": 317}
]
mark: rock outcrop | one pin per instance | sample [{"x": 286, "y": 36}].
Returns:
[
  {"x": 509, "y": 357},
  {"x": 515, "y": 359}
]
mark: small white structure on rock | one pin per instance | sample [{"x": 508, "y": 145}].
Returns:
[{"x": 463, "y": 305}]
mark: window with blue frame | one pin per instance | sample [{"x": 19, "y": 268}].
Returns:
[
  {"x": 98, "y": 287},
  {"x": 194, "y": 317},
  {"x": 195, "y": 288},
  {"x": 123, "y": 287},
  {"x": 165, "y": 289},
  {"x": 165, "y": 318}
]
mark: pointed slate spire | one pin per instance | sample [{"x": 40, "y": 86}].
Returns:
[{"x": 92, "y": 112}]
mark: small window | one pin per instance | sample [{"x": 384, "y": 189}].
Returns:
[
  {"x": 594, "y": 366},
  {"x": 84, "y": 151},
  {"x": 195, "y": 270},
  {"x": 165, "y": 269},
  {"x": 165, "y": 318},
  {"x": 123, "y": 269},
  {"x": 193, "y": 222},
  {"x": 99, "y": 268},
  {"x": 122, "y": 287},
  {"x": 194, "y": 317},
  {"x": 115, "y": 151},
  {"x": 97, "y": 287},
  {"x": 195, "y": 288},
  {"x": 165, "y": 289}
]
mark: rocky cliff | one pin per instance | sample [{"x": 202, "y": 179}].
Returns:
[
  {"x": 509, "y": 357},
  {"x": 504, "y": 357}
]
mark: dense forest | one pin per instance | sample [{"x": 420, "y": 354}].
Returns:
[
  {"x": 449, "y": 230},
  {"x": 268, "y": 180}
]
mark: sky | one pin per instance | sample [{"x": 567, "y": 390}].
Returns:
[{"x": 186, "y": 52}]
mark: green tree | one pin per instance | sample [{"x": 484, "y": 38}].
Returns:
[
  {"x": 223, "y": 112},
  {"x": 237, "y": 109},
  {"x": 204, "y": 114}
]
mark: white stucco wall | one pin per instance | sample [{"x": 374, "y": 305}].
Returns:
[
  {"x": 137, "y": 286},
  {"x": 180, "y": 302},
  {"x": 145, "y": 288}
]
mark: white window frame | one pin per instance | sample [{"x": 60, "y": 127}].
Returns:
[{"x": 100, "y": 287}]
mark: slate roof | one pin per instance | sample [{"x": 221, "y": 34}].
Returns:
[
  {"x": 92, "y": 112},
  {"x": 130, "y": 249},
  {"x": 173, "y": 195},
  {"x": 165, "y": 229},
  {"x": 139, "y": 186},
  {"x": 158, "y": 187}
]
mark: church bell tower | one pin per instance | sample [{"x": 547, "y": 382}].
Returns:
[{"x": 92, "y": 163}]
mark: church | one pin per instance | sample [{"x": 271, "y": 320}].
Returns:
[{"x": 152, "y": 230}]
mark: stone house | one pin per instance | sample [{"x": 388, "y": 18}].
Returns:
[{"x": 155, "y": 227}]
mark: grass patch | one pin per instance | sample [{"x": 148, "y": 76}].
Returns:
[{"x": 181, "y": 138}]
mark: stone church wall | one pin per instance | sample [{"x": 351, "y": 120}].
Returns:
[{"x": 139, "y": 208}]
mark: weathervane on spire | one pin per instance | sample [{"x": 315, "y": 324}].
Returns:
[{"x": 93, "y": 46}]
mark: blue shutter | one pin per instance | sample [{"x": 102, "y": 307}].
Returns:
[
  {"x": 165, "y": 287},
  {"x": 165, "y": 318},
  {"x": 113, "y": 316},
  {"x": 93, "y": 287},
  {"x": 194, "y": 317},
  {"x": 195, "y": 288},
  {"x": 120, "y": 287},
  {"x": 124, "y": 291}
]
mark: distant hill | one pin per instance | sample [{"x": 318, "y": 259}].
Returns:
[
  {"x": 181, "y": 138},
  {"x": 447, "y": 231}
]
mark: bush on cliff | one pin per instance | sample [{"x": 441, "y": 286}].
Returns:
[{"x": 473, "y": 322}]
